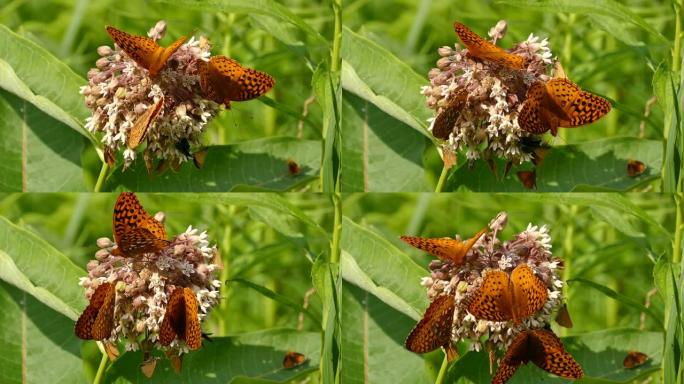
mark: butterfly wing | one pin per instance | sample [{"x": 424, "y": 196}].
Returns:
[
  {"x": 548, "y": 353},
  {"x": 530, "y": 117},
  {"x": 293, "y": 359},
  {"x": 434, "y": 329},
  {"x": 174, "y": 317},
  {"x": 193, "y": 330},
  {"x": 445, "y": 121},
  {"x": 140, "y": 127},
  {"x": 492, "y": 300},
  {"x": 529, "y": 292},
  {"x": 224, "y": 80},
  {"x": 85, "y": 322},
  {"x": 516, "y": 355},
  {"x": 577, "y": 107},
  {"x": 484, "y": 50},
  {"x": 135, "y": 231},
  {"x": 145, "y": 51},
  {"x": 528, "y": 178},
  {"x": 104, "y": 322},
  {"x": 445, "y": 248}
]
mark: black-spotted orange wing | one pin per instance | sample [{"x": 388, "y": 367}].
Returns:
[
  {"x": 634, "y": 359},
  {"x": 445, "y": 248},
  {"x": 635, "y": 168},
  {"x": 224, "y": 80},
  {"x": 447, "y": 118},
  {"x": 484, "y": 50},
  {"x": 145, "y": 51},
  {"x": 135, "y": 231},
  {"x": 293, "y": 360},
  {"x": 181, "y": 319},
  {"x": 97, "y": 320},
  {"x": 434, "y": 329},
  {"x": 139, "y": 129}
]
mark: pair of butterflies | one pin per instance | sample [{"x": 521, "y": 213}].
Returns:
[
  {"x": 548, "y": 106},
  {"x": 500, "y": 297},
  {"x": 222, "y": 79},
  {"x": 137, "y": 232}
]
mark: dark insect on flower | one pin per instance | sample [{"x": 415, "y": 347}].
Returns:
[
  {"x": 224, "y": 80},
  {"x": 544, "y": 349},
  {"x": 501, "y": 297},
  {"x": 635, "y": 168},
  {"x": 293, "y": 167},
  {"x": 181, "y": 319},
  {"x": 484, "y": 50},
  {"x": 528, "y": 178},
  {"x": 97, "y": 320},
  {"x": 135, "y": 231},
  {"x": 445, "y": 248},
  {"x": 293, "y": 360},
  {"x": 634, "y": 359},
  {"x": 559, "y": 103}
]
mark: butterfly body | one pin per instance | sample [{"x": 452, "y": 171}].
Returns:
[
  {"x": 97, "y": 320},
  {"x": 434, "y": 329},
  {"x": 559, "y": 103},
  {"x": 504, "y": 298},
  {"x": 223, "y": 80},
  {"x": 145, "y": 51},
  {"x": 544, "y": 349},
  {"x": 485, "y": 50},
  {"x": 181, "y": 319},
  {"x": 135, "y": 231}
]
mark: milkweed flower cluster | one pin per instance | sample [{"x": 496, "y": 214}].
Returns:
[
  {"x": 119, "y": 92},
  {"x": 531, "y": 247},
  {"x": 487, "y": 125},
  {"x": 144, "y": 285}
]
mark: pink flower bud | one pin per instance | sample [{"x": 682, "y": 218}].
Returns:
[{"x": 104, "y": 50}]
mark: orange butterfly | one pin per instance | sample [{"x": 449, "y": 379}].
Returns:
[
  {"x": 293, "y": 360},
  {"x": 484, "y": 50},
  {"x": 224, "y": 80},
  {"x": 445, "y": 248},
  {"x": 140, "y": 127},
  {"x": 503, "y": 298},
  {"x": 97, "y": 320},
  {"x": 634, "y": 359},
  {"x": 563, "y": 317},
  {"x": 293, "y": 167},
  {"x": 445, "y": 121},
  {"x": 145, "y": 51},
  {"x": 544, "y": 349},
  {"x": 434, "y": 329},
  {"x": 635, "y": 168},
  {"x": 528, "y": 178},
  {"x": 181, "y": 319},
  {"x": 135, "y": 231},
  {"x": 559, "y": 103}
]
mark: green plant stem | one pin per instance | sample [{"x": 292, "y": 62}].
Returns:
[
  {"x": 101, "y": 177},
  {"x": 337, "y": 228},
  {"x": 101, "y": 368},
  {"x": 442, "y": 178},
  {"x": 677, "y": 48},
  {"x": 442, "y": 370},
  {"x": 679, "y": 227},
  {"x": 336, "y": 60}
]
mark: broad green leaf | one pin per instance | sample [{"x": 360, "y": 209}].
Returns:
[
  {"x": 375, "y": 74},
  {"x": 599, "y": 353},
  {"x": 252, "y": 165},
  {"x": 373, "y": 342},
  {"x": 626, "y": 33},
  {"x": 386, "y": 266},
  {"x": 260, "y": 7},
  {"x": 43, "y": 73},
  {"x": 38, "y": 344},
  {"x": 379, "y": 152},
  {"x": 610, "y": 8},
  {"x": 277, "y": 297},
  {"x": 599, "y": 165},
  {"x": 253, "y": 357},
  {"x": 39, "y": 153},
  {"x": 11, "y": 83},
  {"x": 45, "y": 267}
]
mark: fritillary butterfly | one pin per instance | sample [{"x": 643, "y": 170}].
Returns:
[
  {"x": 484, "y": 50},
  {"x": 293, "y": 360},
  {"x": 503, "y": 298},
  {"x": 145, "y": 51},
  {"x": 559, "y": 103},
  {"x": 445, "y": 121},
  {"x": 434, "y": 329},
  {"x": 135, "y": 231},
  {"x": 181, "y": 319},
  {"x": 563, "y": 317},
  {"x": 224, "y": 80},
  {"x": 544, "y": 349},
  {"x": 97, "y": 320},
  {"x": 140, "y": 127},
  {"x": 528, "y": 178},
  {"x": 635, "y": 168},
  {"x": 634, "y": 359},
  {"x": 445, "y": 248}
]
